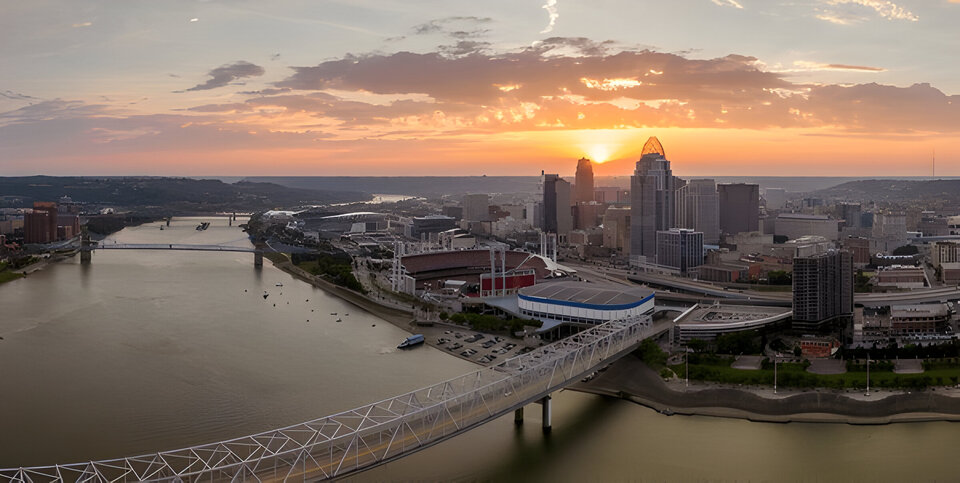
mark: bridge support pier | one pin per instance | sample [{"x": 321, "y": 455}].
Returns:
[
  {"x": 547, "y": 404},
  {"x": 257, "y": 259},
  {"x": 86, "y": 256},
  {"x": 518, "y": 417}
]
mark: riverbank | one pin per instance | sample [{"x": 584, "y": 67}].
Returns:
[
  {"x": 405, "y": 320},
  {"x": 632, "y": 380}
]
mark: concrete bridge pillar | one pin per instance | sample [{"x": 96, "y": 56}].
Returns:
[
  {"x": 257, "y": 259},
  {"x": 547, "y": 404},
  {"x": 518, "y": 417}
]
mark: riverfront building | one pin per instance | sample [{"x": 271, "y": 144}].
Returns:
[
  {"x": 822, "y": 288},
  {"x": 579, "y": 303},
  {"x": 706, "y": 322}
]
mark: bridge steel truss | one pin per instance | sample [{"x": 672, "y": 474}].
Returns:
[{"x": 371, "y": 435}]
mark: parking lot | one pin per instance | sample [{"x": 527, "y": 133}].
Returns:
[{"x": 476, "y": 347}]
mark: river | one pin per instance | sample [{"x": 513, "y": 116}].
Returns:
[{"x": 151, "y": 350}]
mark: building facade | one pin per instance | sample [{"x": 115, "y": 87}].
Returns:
[
  {"x": 476, "y": 207},
  {"x": 680, "y": 249},
  {"x": 739, "y": 206},
  {"x": 651, "y": 201},
  {"x": 700, "y": 210},
  {"x": 796, "y": 225},
  {"x": 822, "y": 288}
]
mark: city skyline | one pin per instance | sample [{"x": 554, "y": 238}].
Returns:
[{"x": 352, "y": 88}]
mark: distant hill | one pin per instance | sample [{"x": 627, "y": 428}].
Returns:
[
  {"x": 893, "y": 190},
  {"x": 410, "y": 185},
  {"x": 177, "y": 194}
]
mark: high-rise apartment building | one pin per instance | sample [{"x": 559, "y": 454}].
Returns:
[
  {"x": 822, "y": 288},
  {"x": 739, "y": 207},
  {"x": 40, "y": 226},
  {"x": 651, "y": 201},
  {"x": 476, "y": 207},
  {"x": 583, "y": 184},
  {"x": 700, "y": 209},
  {"x": 680, "y": 249}
]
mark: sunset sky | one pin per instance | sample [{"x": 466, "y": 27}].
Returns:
[{"x": 448, "y": 87}]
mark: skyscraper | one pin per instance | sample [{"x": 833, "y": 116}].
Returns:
[
  {"x": 651, "y": 201},
  {"x": 564, "y": 212},
  {"x": 557, "y": 217},
  {"x": 548, "y": 188},
  {"x": 700, "y": 209},
  {"x": 583, "y": 186},
  {"x": 822, "y": 288},
  {"x": 739, "y": 207}
]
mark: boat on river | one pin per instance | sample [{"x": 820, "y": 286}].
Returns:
[{"x": 411, "y": 341}]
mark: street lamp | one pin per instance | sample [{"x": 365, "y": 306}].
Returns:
[
  {"x": 868, "y": 375},
  {"x": 776, "y": 357}
]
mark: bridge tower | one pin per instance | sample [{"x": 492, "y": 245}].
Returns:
[{"x": 86, "y": 252}]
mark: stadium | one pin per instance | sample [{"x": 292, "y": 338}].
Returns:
[{"x": 583, "y": 304}]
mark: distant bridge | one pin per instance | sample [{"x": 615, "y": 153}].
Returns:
[
  {"x": 86, "y": 247},
  {"x": 372, "y": 435},
  {"x": 170, "y": 246}
]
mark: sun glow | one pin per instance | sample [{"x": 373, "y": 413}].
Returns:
[{"x": 598, "y": 153}]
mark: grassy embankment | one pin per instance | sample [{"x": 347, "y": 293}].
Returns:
[
  {"x": 336, "y": 268},
  {"x": 717, "y": 369},
  {"x": 8, "y": 270}
]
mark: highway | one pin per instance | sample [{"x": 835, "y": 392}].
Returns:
[{"x": 692, "y": 290}]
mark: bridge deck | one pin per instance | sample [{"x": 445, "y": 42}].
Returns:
[
  {"x": 371, "y": 435},
  {"x": 169, "y": 246}
]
